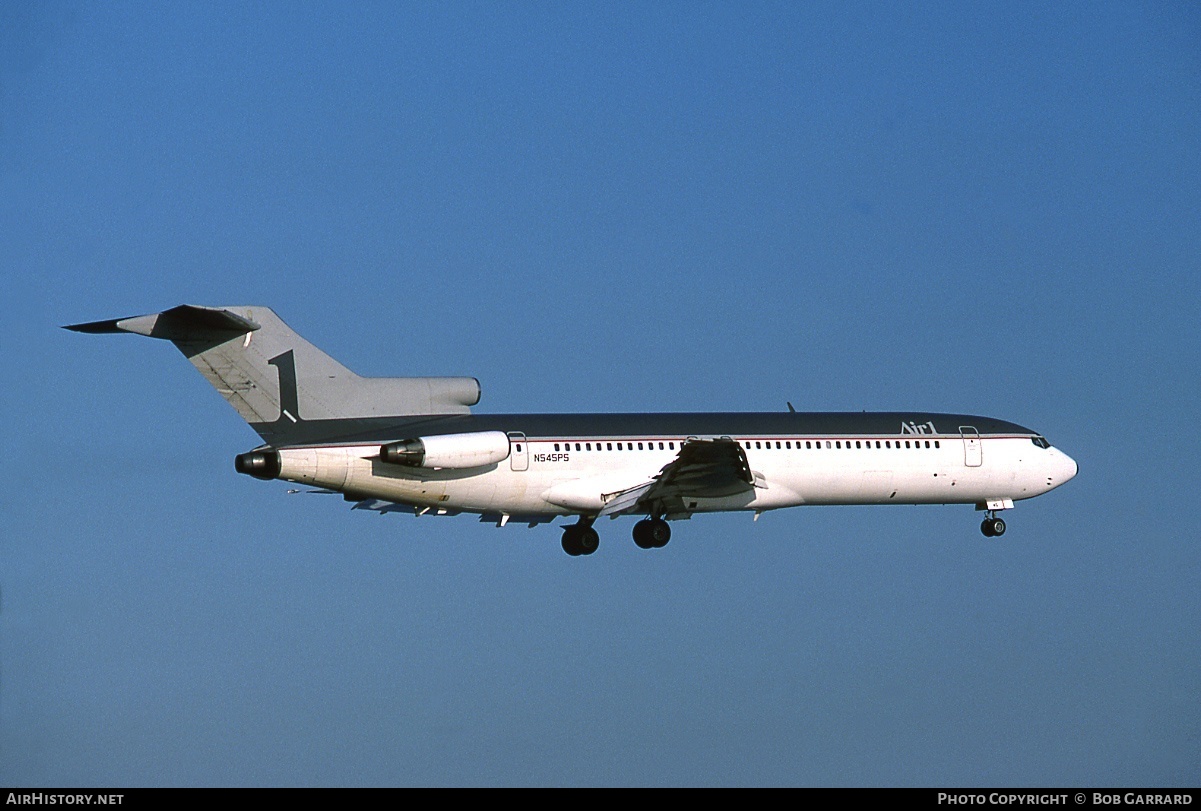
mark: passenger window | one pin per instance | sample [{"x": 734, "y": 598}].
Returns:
[
  {"x": 671, "y": 446},
  {"x": 838, "y": 444},
  {"x": 556, "y": 446},
  {"x": 518, "y": 447},
  {"x": 927, "y": 443},
  {"x": 609, "y": 445},
  {"x": 858, "y": 444},
  {"x": 660, "y": 446},
  {"x": 807, "y": 445},
  {"x": 640, "y": 446},
  {"x": 906, "y": 443},
  {"x": 936, "y": 443},
  {"x": 577, "y": 446}
]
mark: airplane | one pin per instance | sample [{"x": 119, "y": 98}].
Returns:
[{"x": 412, "y": 445}]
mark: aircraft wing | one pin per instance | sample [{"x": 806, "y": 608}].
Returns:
[{"x": 704, "y": 468}]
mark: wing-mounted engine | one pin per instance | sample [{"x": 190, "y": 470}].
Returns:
[{"x": 454, "y": 451}]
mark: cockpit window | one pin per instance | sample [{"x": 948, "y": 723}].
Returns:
[{"x": 1040, "y": 441}]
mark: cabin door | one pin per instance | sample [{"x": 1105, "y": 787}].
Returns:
[
  {"x": 519, "y": 451},
  {"x": 972, "y": 453}
]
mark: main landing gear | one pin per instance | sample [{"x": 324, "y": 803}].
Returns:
[
  {"x": 652, "y": 533},
  {"x": 580, "y": 538},
  {"x": 993, "y": 527}
]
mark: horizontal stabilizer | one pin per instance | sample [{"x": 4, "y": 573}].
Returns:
[{"x": 186, "y": 322}]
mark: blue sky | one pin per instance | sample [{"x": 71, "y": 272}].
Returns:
[{"x": 983, "y": 208}]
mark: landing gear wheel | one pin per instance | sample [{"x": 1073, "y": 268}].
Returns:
[
  {"x": 580, "y": 540},
  {"x": 589, "y": 541},
  {"x": 652, "y": 533},
  {"x": 571, "y": 542},
  {"x": 993, "y": 527},
  {"x": 985, "y": 527},
  {"x": 660, "y": 532}
]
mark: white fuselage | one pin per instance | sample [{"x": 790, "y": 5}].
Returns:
[{"x": 549, "y": 476}]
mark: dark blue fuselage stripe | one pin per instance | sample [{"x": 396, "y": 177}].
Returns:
[{"x": 610, "y": 427}]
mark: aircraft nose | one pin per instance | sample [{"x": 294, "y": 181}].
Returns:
[{"x": 1069, "y": 467}]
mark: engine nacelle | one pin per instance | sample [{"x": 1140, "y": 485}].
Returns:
[
  {"x": 455, "y": 451},
  {"x": 260, "y": 464}
]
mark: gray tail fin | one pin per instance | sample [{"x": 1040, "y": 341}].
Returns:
[{"x": 286, "y": 388}]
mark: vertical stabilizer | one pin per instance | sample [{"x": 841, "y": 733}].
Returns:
[{"x": 277, "y": 381}]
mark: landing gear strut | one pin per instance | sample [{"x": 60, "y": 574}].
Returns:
[
  {"x": 652, "y": 533},
  {"x": 580, "y": 538},
  {"x": 993, "y": 527}
]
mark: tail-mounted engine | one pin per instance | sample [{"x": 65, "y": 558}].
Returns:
[
  {"x": 263, "y": 465},
  {"x": 455, "y": 451}
]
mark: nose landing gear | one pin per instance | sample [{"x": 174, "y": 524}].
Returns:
[{"x": 993, "y": 527}]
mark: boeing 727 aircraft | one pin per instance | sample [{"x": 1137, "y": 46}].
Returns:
[{"x": 411, "y": 444}]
